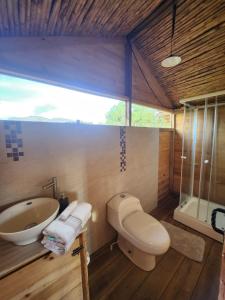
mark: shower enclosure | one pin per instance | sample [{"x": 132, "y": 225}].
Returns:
[{"x": 202, "y": 186}]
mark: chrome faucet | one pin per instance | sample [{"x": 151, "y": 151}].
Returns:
[{"x": 52, "y": 184}]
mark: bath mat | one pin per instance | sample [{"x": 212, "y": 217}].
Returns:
[{"x": 185, "y": 242}]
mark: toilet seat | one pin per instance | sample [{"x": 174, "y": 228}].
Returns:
[{"x": 146, "y": 233}]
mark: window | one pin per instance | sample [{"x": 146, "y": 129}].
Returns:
[
  {"x": 27, "y": 100},
  {"x": 143, "y": 116}
]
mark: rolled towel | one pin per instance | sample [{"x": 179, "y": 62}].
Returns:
[
  {"x": 55, "y": 246},
  {"x": 75, "y": 223},
  {"x": 63, "y": 232},
  {"x": 82, "y": 212},
  {"x": 60, "y": 235},
  {"x": 65, "y": 214}
]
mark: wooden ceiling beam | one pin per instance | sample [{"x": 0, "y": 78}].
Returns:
[{"x": 152, "y": 82}]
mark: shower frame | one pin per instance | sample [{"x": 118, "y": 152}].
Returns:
[{"x": 181, "y": 212}]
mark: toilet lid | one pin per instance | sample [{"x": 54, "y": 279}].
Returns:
[{"x": 147, "y": 231}]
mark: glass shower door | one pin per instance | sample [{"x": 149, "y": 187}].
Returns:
[
  {"x": 206, "y": 161},
  {"x": 187, "y": 155},
  {"x": 202, "y": 187},
  {"x": 217, "y": 181}
]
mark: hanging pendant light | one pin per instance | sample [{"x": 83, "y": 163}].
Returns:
[{"x": 172, "y": 60}]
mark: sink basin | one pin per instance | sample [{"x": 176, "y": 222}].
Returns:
[{"x": 23, "y": 223}]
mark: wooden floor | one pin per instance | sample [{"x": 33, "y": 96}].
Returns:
[{"x": 113, "y": 276}]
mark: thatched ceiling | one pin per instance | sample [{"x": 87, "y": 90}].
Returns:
[
  {"x": 72, "y": 17},
  {"x": 199, "y": 40}
]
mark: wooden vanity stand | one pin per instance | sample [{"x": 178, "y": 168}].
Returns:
[
  {"x": 33, "y": 272},
  {"x": 222, "y": 276}
]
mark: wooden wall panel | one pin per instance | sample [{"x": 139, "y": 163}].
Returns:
[
  {"x": 154, "y": 89},
  {"x": 165, "y": 163},
  {"x": 141, "y": 92},
  {"x": 96, "y": 65}
]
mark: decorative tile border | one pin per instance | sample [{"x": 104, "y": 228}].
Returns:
[
  {"x": 13, "y": 140},
  {"x": 123, "y": 161}
]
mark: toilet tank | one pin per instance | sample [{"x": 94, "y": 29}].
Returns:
[{"x": 120, "y": 206}]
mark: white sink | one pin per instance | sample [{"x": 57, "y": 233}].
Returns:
[{"x": 23, "y": 223}]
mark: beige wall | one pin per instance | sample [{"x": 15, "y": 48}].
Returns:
[{"x": 86, "y": 161}]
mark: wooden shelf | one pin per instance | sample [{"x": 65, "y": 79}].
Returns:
[{"x": 13, "y": 257}]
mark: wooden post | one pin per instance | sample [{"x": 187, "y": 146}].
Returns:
[
  {"x": 128, "y": 81},
  {"x": 84, "y": 267}
]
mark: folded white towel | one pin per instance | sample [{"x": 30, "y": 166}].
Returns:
[
  {"x": 74, "y": 223},
  {"x": 59, "y": 236},
  {"x": 65, "y": 214},
  {"x": 62, "y": 231},
  {"x": 82, "y": 212},
  {"x": 55, "y": 246}
]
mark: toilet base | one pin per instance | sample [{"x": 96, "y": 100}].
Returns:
[{"x": 141, "y": 259}]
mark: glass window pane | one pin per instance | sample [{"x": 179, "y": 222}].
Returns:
[
  {"x": 27, "y": 100},
  {"x": 143, "y": 116}
]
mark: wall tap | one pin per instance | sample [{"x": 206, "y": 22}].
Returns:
[{"x": 52, "y": 184}]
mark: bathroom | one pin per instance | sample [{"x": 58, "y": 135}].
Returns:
[{"x": 61, "y": 65}]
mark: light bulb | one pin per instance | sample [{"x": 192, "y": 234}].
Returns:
[{"x": 171, "y": 61}]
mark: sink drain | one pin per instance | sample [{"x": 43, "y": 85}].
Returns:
[{"x": 30, "y": 225}]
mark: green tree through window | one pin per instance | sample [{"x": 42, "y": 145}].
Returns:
[{"x": 141, "y": 116}]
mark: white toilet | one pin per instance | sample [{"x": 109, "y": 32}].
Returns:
[{"x": 140, "y": 236}]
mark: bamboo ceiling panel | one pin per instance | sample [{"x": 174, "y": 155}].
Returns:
[
  {"x": 199, "y": 40},
  {"x": 72, "y": 17}
]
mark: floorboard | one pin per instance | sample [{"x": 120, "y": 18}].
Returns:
[
  {"x": 158, "y": 279},
  {"x": 112, "y": 276},
  {"x": 208, "y": 285}
]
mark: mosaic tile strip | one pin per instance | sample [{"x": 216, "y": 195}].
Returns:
[
  {"x": 13, "y": 140},
  {"x": 123, "y": 161}
]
